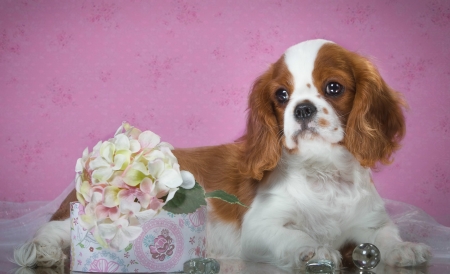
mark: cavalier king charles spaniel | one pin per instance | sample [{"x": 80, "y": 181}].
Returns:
[{"x": 318, "y": 119}]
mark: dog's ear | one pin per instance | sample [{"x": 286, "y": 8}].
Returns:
[
  {"x": 376, "y": 124},
  {"x": 262, "y": 142}
]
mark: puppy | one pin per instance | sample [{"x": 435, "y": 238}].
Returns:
[{"x": 318, "y": 119}]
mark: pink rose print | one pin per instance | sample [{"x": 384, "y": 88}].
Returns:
[
  {"x": 162, "y": 246},
  {"x": 200, "y": 249},
  {"x": 181, "y": 223},
  {"x": 103, "y": 265},
  {"x": 197, "y": 251},
  {"x": 81, "y": 210}
]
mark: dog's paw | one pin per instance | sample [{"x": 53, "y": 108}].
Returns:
[
  {"x": 47, "y": 254},
  {"x": 328, "y": 253},
  {"x": 25, "y": 255},
  {"x": 306, "y": 254},
  {"x": 319, "y": 253},
  {"x": 407, "y": 254}
]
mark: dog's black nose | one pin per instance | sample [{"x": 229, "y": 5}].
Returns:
[{"x": 304, "y": 111}]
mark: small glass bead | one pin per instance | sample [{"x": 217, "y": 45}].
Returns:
[
  {"x": 201, "y": 266},
  {"x": 366, "y": 256},
  {"x": 319, "y": 266}
]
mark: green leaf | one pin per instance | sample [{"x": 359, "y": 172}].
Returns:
[
  {"x": 186, "y": 200},
  {"x": 99, "y": 248},
  {"x": 128, "y": 248},
  {"x": 226, "y": 197}
]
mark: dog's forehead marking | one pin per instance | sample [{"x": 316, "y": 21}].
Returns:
[{"x": 300, "y": 60}]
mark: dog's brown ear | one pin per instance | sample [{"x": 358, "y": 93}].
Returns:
[
  {"x": 262, "y": 145},
  {"x": 376, "y": 124}
]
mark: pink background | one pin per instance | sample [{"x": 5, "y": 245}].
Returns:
[{"x": 72, "y": 71}]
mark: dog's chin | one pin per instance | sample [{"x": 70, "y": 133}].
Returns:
[
  {"x": 293, "y": 142},
  {"x": 305, "y": 137}
]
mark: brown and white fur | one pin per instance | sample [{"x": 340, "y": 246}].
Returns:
[{"x": 318, "y": 119}]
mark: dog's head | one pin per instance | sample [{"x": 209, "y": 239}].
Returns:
[{"x": 319, "y": 90}]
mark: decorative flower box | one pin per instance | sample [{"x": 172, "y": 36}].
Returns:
[{"x": 166, "y": 242}]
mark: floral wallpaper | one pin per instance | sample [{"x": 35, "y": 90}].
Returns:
[{"x": 72, "y": 71}]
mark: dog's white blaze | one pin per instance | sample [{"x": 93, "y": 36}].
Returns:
[{"x": 300, "y": 61}]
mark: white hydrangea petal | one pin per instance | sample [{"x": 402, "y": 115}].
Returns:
[
  {"x": 188, "y": 179},
  {"x": 122, "y": 222},
  {"x": 176, "y": 166},
  {"x": 122, "y": 142},
  {"x": 165, "y": 144},
  {"x": 141, "y": 167},
  {"x": 107, "y": 231},
  {"x": 132, "y": 131},
  {"x": 148, "y": 139},
  {"x": 121, "y": 161},
  {"x": 129, "y": 207},
  {"x": 99, "y": 239},
  {"x": 146, "y": 215},
  {"x": 135, "y": 146},
  {"x": 155, "y": 154},
  {"x": 110, "y": 194},
  {"x": 171, "y": 193},
  {"x": 107, "y": 151},
  {"x": 171, "y": 178},
  {"x": 81, "y": 199},
  {"x": 132, "y": 232},
  {"x": 96, "y": 149},
  {"x": 85, "y": 189},
  {"x": 85, "y": 153},
  {"x": 79, "y": 166},
  {"x": 87, "y": 221},
  {"x": 102, "y": 174},
  {"x": 96, "y": 198},
  {"x": 146, "y": 185},
  {"x": 170, "y": 158},
  {"x": 78, "y": 182},
  {"x": 120, "y": 129},
  {"x": 98, "y": 163},
  {"x": 156, "y": 168},
  {"x": 133, "y": 177},
  {"x": 119, "y": 242},
  {"x": 160, "y": 190}
]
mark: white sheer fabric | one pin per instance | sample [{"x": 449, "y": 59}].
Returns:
[{"x": 19, "y": 221}]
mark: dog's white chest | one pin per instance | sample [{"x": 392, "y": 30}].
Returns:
[{"x": 322, "y": 194}]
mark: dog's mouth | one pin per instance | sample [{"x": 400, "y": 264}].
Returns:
[{"x": 305, "y": 132}]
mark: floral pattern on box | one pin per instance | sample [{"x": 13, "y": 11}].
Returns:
[{"x": 167, "y": 241}]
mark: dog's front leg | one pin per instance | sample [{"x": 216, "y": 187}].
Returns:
[
  {"x": 272, "y": 241},
  {"x": 394, "y": 251},
  {"x": 47, "y": 247}
]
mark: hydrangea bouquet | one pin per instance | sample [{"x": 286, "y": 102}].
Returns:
[{"x": 127, "y": 180}]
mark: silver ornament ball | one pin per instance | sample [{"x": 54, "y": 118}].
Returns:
[{"x": 366, "y": 256}]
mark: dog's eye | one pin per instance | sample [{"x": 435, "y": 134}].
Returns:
[
  {"x": 282, "y": 95},
  {"x": 334, "y": 89}
]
